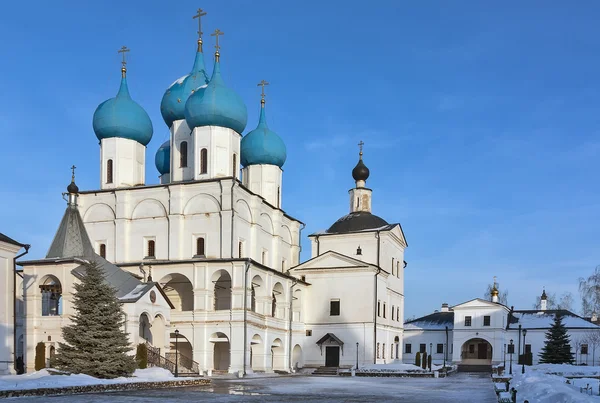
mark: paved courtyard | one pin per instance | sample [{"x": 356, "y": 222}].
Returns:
[{"x": 458, "y": 388}]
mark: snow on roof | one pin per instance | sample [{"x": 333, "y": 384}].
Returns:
[
  {"x": 136, "y": 293},
  {"x": 434, "y": 321},
  {"x": 533, "y": 319}
]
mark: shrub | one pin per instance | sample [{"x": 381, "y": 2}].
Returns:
[
  {"x": 418, "y": 359},
  {"x": 40, "y": 356},
  {"x": 429, "y": 362},
  {"x": 141, "y": 356},
  {"x": 424, "y": 362}
]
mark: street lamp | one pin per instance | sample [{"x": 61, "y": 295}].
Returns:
[
  {"x": 357, "y": 355},
  {"x": 524, "y": 349},
  {"x": 511, "y": 350},
  {"x": 176, "y": 353}
]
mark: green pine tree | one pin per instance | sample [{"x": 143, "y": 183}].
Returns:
[
  {"x": 557, "y": 347},
  {"x": 95, "y": 343}
]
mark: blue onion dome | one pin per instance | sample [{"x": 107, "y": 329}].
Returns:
[
  {"x": 122, "y": 117},
  {"x": 262, "y": 145},
  {"x": 172, "y": 106},
  {"x": 216, "y": 105},
  {"x": 162, "y": 159}
]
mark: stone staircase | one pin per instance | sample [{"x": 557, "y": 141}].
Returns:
[
  {"x": 474, "y": 368},
  {"x": 326, "y": 371}
]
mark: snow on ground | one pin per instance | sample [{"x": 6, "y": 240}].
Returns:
[
  {"x": 44, "y": 379},
  {"x": 545, "y": 383},
  {"x": 397, "y": 368}
]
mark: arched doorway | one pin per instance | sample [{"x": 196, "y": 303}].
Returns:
[
  {"x": 297, "y": 358},
  {"x": 181, "y": 350},
  {"x": 179, "y": 290},
  {"x": 51, "y": 296},
  {"x": 257, "y": 289},
  {"x": 144, "y": 333},
  {"x": 257, "y": 353},
  {"x": 476, "y": 351},
  {"x": 221, "y": 351},
  {"x": 277, "y": 304},
  {"x": 277, "y": 355},
  {"x": 222, "y": 292},
  {"x": 396, "y": 348}
]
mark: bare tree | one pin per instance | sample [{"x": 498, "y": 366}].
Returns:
[
  {"x": 589, "y": 290},
  {"x": 566, "y": 302},
  {"x": 592, "y": 337},
  {"x": 577, "y": 342}
]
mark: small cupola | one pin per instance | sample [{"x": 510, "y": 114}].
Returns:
[
  {"x": 544, "y": 300},
  {"x": 360, "y": 173}
]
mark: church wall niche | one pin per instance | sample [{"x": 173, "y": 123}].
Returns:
[{"x": 221, "y": 280}]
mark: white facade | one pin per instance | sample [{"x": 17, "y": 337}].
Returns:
[
  {"x": 479, "y": 332},
  {"x": 8, "y": 252},
  {"x": 123, "y": 163}
]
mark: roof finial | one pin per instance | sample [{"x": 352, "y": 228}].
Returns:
[
  {"x": 217, "y": 33},
  {"x": 262, "y": 84},
  {"x": 73, "y": 173},
  {"x": 72, "y": 189},
  {"x": 360, "y": 146},
  {"x": 123, "y": 50},
  {"x": 201, "y": 13}
]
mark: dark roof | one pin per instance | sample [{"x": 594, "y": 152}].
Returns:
[
  {"x": 360, "y": 171},
  {"x": 538, "y": 319},
  {"x": 4, "y": 238},
  {"x": 357, "y": 221},
  {"x": 71, "y": 239},
  {"x": 328, "y": 337},
  {"x": 436, "y": 320}
]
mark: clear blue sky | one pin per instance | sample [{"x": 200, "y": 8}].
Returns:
[{"x": 480, "y": 120}]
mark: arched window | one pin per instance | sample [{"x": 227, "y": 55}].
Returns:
[
  {"x": 393, "y": 273},
  {"x": 282, "y": 265},
  {"x": 109, "y": 171},
  {"x": 183, "y": 155},
  {"x": 274, "y": 306},
  {"x": 200, "y": 247},
  {"x": 383, "y": 351},
  {"x": 103, "y": 250},
  {"x": 253, "y": 303},
  {"x": 51, "y": 297},
  {"x": 203, "y": 161},
  {"x": 234, "y": 165},
  {"x": 384, "y": 309},
  {"x": 378, "y": 355},
  {"x": 398, "y": 269},
  {"x": 151, "y": 248},
  {"x": 263, "y": 259},
  {"x": 393, "y": 311},
  {"x": 240, "y": 249}
]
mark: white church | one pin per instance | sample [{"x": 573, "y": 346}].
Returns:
[{"x": 208, "y": 262}]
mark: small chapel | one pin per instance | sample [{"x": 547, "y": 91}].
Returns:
[{"x": 207, "y": 262}]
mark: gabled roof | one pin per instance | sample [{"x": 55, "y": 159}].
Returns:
[
  {"x": 538, "y": 319},
  {"x": 335, "y": 260},
  {"x": 330, "y": 337},
  {"x": 481, "y": 301},
  {"x": 71, "y": 239},
  {"x": 4, "y": 238},
  {"x": 434, "y": 321}
]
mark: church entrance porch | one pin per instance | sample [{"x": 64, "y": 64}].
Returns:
[{"x": 476, "y": 356}]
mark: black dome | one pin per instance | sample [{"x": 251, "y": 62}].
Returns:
[
  {"x": 356, "y": 222},
  {"x": 360, "y": 171},
  {"x": 72, "y": 188}
]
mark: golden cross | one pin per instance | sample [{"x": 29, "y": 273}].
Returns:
[
  {"x": 123, "y": 50},
  {"x": 360, "y": 145},
  {"x": 217, "y": 33},
  {"x": 262, "y": 84},
  {"x": 73, "y": 173},
  {"x": 201, "y": 13},
  {"x": 495, "y": 281}
]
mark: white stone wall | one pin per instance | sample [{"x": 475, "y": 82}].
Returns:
[
  {"x": 7, "y": 301},
  {"x": 264, "y": 180},
  {"x": 431, "y": 339},
  {"x": 176, "y": 215},
  {"x": 129, "y": 161}
]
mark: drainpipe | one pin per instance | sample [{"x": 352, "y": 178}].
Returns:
[
  {"x": 375, "y": 300},
  {"x": 232, "y": 216},
  {"x": 246, "y": 311},
  {"x": 168, "y": 227},
  {"x": 221, "y": 221},
  {"x": 291, "y": 318},
  {"x": 318, "y": 245},
  {"x": 15, "y": 305},
  {"x": 300, "y": 242}
]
